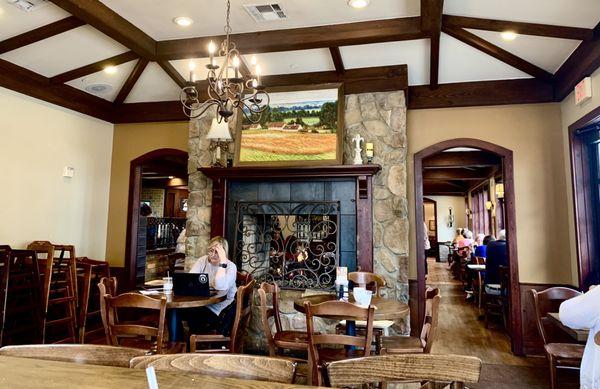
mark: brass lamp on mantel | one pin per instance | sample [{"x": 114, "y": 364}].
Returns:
[{"x": 219, "y": 137}]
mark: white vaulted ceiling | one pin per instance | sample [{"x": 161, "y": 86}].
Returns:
[{"x": 459, "y": 62}]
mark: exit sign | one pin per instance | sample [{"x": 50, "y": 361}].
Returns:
[{"x": 583, "y": 90}]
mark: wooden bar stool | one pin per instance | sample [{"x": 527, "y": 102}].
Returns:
[
  {"x": 90, "y": 272},
  {"x": 22, "y": 308},
  {"x": 58, "y": 292}
]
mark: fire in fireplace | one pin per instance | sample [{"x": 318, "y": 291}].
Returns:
[{"x": 295, "y": 245}]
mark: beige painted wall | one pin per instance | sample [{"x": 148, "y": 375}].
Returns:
[
  {"x": 38, "y": 140},
  {"x": 457, "y": 203},
  {"x": 570, "y": 114},
  {"x": 533, "y": 133},
  {"x": 129, "y": 142}
]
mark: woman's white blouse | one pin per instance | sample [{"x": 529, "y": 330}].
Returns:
[{"x": 584, "y": 312}]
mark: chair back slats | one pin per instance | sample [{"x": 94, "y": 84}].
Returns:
[
  {"x": 266, "y": 313},
  {"x": 247, "y": 367},
  {"x": 339, "y": 309},
  {"x": 243, "y": 312},
  {"x": 367, "y": 280},
  {"x": 134, "y": 301},
  {"x": 77, "y": 353},
  {"x": 429, "y": 329},
  {"x": 106, "y": 286},
  {"x": 549, "y": 300},
  {"x": 457, "y": 369}
]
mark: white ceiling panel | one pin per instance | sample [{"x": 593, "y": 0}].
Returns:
[
  {"x": 155, "y": 17},
  {"x": 69, "y": 50},
  {"x": 460, "y": 62},
  {"x": 299, "y": 61},
  {"x": 575, "y": 13},
  {"x": 115, "y": 80},
  {"x": 15, "y": 22},
  {"x": 153, "y": 85},
  {"x": 547, "y": 53},
  {"x": 413, "y": 53}
]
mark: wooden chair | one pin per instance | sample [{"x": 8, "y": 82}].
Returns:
[
  {"x": 242, "y": 278},
  {"x": 138, "y": 334},
  {"x": 172, "y": 259},
  {"x": 422, "y": 344},
  {"x": 77, "y": 353},
  {"x": 106, "y": 286},
  {"x": 22, "y": 306},
  {"x": 247, "y": 367},
  {"x": 559, "y": 354},
  {"x": 430, "y": 368},
  {"x": 281, "y": 339},
  {"x": 234, "y": 343},
  {"x": 90, "y": 272},
  {"x": 360, "y": 346},
  {"x": 59, "y": 291},
  {"x": 497, "y": 304},
  {"x": 370, "y": 281}
]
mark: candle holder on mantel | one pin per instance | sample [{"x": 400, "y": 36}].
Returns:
[{"x": 219, "y": 137}]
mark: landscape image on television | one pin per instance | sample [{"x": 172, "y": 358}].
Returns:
[{"x": 298, "y": 126}]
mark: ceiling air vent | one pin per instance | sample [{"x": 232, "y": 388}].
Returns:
[
  {"x": 98, "y": 89},
  {"x": 27, "y": 5},
  {"x": 265, "y": 12}
]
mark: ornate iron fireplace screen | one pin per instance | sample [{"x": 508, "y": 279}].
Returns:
[{"x": 295, "y": 245}]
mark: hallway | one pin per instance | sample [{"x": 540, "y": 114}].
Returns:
[{"x": 461, "y": 332}]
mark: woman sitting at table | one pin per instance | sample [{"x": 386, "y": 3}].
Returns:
[
  {"x": 584, "y": 312},
  {"x": 221, "y": 276}
]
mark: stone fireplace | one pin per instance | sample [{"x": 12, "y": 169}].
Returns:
[{"x": 336, "y": 217}]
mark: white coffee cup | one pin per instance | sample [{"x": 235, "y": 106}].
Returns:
[{"x": 362, "y": 296}]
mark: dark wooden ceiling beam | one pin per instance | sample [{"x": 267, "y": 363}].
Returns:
[
  {"x": 40, "y": 33},
  {"x": 32, "y": 84},
  {"x": 338, "y": 62},
  {"x": 545, "y": 30},
  {"x": 461, "y": 159},
  {"x": 456, "y": 174},
  {"x": 431, "y": 23},
  {"x": 135, "y": 74},
  {"x": 299, "y": 38},
  {"x": 582, "y": 63},
  {"x": 470, "y": 94},
  {"x": 101, "y": 17},
  {"x": 93, "y": 68},
  {"x": 498, "y": 53},
  {"x": 173, "y": 73}
]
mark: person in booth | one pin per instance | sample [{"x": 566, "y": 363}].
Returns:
[{"x": 221, "y": 276}]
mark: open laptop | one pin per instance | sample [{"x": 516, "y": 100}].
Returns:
[{"x": 191, "y": 284}]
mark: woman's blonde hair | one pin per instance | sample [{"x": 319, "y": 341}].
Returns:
[{"x": 222, "y": 241}]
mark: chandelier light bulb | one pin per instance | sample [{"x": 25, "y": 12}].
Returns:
[
  {"x": 236, "y": 61},
  {"x": 258, "y": 70},
  {"x": 192, "y": 65},
  {"x": 212, "y": 48},
  {"x": 253, "y": 60}
]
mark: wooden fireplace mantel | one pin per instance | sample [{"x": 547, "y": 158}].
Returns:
[{"x": 363, "y": 175}]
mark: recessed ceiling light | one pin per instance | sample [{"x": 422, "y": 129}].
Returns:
[
  {"x": 508, "y": 35},
  {"x": 110, "y": 69},
  {"x": 171, "y": 177},
  {"x": 358, "y": 3},
  {"x": 183, "y": 21}
]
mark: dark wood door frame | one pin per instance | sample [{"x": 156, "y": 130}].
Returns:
[
  {"x": 133, "y": 207},
  {"x": 435, "y": 217},
  {"x": 511, "y": 228}
]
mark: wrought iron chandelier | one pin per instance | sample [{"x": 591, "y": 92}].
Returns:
[{"x": 227, "y": 88}]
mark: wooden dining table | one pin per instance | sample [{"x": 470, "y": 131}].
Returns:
[
  {"x": 24, "y": 373},
  {"x": 580, "y": 335},
  {"x": 175, "y": 303}
]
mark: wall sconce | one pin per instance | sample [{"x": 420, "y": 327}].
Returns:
[
  {"x": 489, "y": 205},
  {"x": 468, "y": 213},
  {"x": 500, "y": 191},
  {"x": 219, "y": 136}
]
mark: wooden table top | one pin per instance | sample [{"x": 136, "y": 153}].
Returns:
[
  {"x": 579, "y": 335},
  {"x": 23, "y": 373},
  {"x": 174, "y": 301},
  {"x": 387, "y": 309}
]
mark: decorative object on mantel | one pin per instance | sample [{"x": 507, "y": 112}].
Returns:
[
  {"x": 369, "y": 152},
  {"x": 227, "y": 88},
  {"x": 357, "y": 140},
  {"x": 304, "y": 126},
  {"x": 220, "y": 137}
]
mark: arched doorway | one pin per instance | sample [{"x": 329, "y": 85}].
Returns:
[
  {"x": 506, "y": 157},
  {"x": 170, "y": 163}
]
